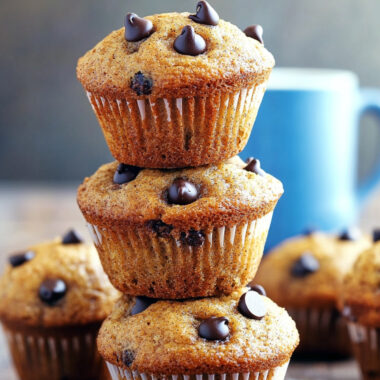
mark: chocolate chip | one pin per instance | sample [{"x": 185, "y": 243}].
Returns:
[
  {"x": 206, "y": 14},
  {"x": 305, "y": 265},
  {"x": 254, "y": 166},
  {"x": 256, "y": 32},
  {"x": 193, "y": 238},
  {"x": 189, "y": 42},
  {"x": 72, "y": 237},
  {"x": 141, "y": 84},
  {"x": 21, "y": 258},
  {"x": 182, "y": 192},
  {"x": 125, "y": 173},
  {"x": 137, "y": 28},
  {"x": 214, "y": 328},
  {"x": 141, "y": 304},
  {"x": 376, "y": 235},
  {"x": 160, "y": 228},
  {"x": 252, "y": 305},
  {"x": 258, "y": 289},
  {"x": 309, "y": 231},
  {"x": 52, "y": 290},
  {"x": 128, "y": 357},
  {"x": 350, "y": 234}
]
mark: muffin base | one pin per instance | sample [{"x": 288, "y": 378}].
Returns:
[
  {"x": 366, "y": 345},
  {"x": 323, "y": 334},
  {"x": 178, "y": 132},
  {"x": 277, "y": 373},
  {"x": 55, "y": 353},
  {"x": 140, "y": 263}
]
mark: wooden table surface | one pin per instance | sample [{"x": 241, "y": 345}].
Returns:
[{"x": 31, "y": 213}]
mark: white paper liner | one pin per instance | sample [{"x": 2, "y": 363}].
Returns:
[
  {"x": 186, "y": 128},
  {"x": 366, "y": 344},
  {"x": 277, "y": 373},
  {"x": 38, "y": 357},
  {"x": 130, "y": 256},
  {"x": 322, "y": 331}
]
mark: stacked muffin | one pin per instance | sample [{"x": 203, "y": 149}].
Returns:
[{"x": 178, "y": 218}]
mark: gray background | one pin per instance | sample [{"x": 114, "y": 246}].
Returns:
[{"x": 47, "y": 129}]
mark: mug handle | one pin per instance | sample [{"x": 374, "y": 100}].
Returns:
[{"x": 370, "y": 103}]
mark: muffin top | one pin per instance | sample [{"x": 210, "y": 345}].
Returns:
[
  {"x": 55, "y": 284},
  {"x": 152, "y": 66},
  {"x": 209, "y": 335},
  {"x": 361, "y": 289},
  {"x": 194, "y": 198},
  {"x": 308, "y": 271}
]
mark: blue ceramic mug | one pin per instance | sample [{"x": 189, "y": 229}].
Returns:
[{"x": 306, "y": 134}]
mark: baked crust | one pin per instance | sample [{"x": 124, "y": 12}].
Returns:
[
  {"x": 360, "y": 291},
  {"x": 230, "y": 195},
  {"x": 164, "y": 340},
  {"x": 89, "y": 298},
  {"x": 318, "y": 290},
  {"x": 232, "y": 61}
]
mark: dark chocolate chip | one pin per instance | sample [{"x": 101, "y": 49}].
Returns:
[
  {"x": 309, "y": 231},
  {"x": 252, "y": 305},
  {"x": 350, "y": 234},
  {"x": 376, "y": 235},
  {"x": 160, "y": 228},
  {"x": 21, "y": 258},
  {"x": 52, "y": 290},
  {"x": 305, "y": 265},
  {"x": 141, "y": 84},
  {"x": 206, "y": 14},
  {"x": 141, "y": 304},
  {"x": 72, "y": 237},
  {"x": 193, "y": 238},
  {"x": 254, "y": 166},
  {"x": 128, "y": 357},
  {"x": 214, "y": 328},
  {"x": 189, "y": 42},
  {"x": 258, "y": 289},
  {"x": 137, "y": 28},
  {"x": 182, "y": 192},
  {"x": 125, "y": 173},
  {"x": 256, "y": 32}
]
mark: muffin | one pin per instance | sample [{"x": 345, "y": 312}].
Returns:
[
  {"x": 304, "y": 275},
  {"x": 180, "y": 233},
  {"x": 360, "y": 304},
  {"x": 240, "y": 336},
  {"x": 53, "y": 298},
  {"x": 177, "y": 89}
]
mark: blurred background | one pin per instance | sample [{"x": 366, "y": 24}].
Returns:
[
  {"x": 50, "y": 139},
  {"x": 47, "y": 129}
]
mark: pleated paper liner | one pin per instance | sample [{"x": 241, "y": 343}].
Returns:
[
  {"x": 366, "y": 345},
  {"x": 56, "y": 353},
  {"x": 277, "y": 373},
  {"x": 323, "y": 334},
  {"x": 139, "y": 262},
  {"x": 178, "y": 132}
]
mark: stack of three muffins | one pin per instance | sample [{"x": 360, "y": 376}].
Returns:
[{"x": 177, "y": 91}]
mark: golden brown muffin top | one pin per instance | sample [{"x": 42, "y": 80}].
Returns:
[
  {"x": 60, "y": 285},
  {"x": 164, "y": 339},
  {"x": 228, "y": 195},
  {"x": 361, "y": 289},
  {"x": 292, "y": 282},
  {"x": 232, "y": 60}
]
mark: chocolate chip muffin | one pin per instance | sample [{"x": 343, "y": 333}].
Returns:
[
  {"x": 243, "y": 335},
  {"x": 177, "y": 89},
  {"x": 305, "y": 275},
  {"x": 180, "y": 233},
  {"x": 360, "y": 304},
  {"x": 53, "y": 298}
]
